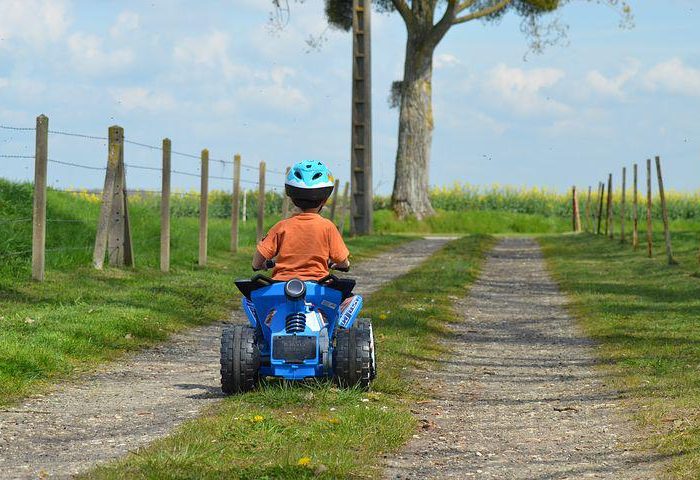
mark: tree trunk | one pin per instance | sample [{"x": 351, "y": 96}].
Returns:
[{"x": 411, "y": 181}]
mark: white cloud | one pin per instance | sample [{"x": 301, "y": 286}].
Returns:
[
  {"x": 612, "y": 86},
  {"x": 675, "y": 77},
  {"x": 4, "y": 82},
  {"x": 139, "y": 98},
  {"x": 270, "y": 89},
  {"x": 33, "y": 21},
  {"x": 521, "y": 90},
  {"x": 126, "y": 23},
  {"x": 88, "y": 55},
  {"x": 445, "y": 60},
  {"x": 209, "y": 51}
]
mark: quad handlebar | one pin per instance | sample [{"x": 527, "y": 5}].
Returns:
[{"x": 270, "y": 264}]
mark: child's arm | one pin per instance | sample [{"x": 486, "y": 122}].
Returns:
[{"x": 258, "y": 261}]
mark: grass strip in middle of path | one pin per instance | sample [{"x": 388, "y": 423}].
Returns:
[{"x": 313, "y": 429}]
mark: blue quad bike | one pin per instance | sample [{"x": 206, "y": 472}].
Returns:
[{"x": 297, "y": 331}]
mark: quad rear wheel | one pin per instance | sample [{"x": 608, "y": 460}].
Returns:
[
  {"x": 353, "y": 356},
  {"x": 240, "y": 359}
]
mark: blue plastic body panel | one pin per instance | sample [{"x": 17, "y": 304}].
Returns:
[{"x": 267, "y": 312}]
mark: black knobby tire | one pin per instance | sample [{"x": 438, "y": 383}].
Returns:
[
  {"x": 240, "y": 359},
  {"x": 366, "y": 324},
  {"x": 352, "y": 358}
]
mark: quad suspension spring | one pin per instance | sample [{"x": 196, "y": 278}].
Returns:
[{"x": 296, "y": 323}]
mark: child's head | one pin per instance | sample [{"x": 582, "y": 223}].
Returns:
[{"x": 309, "y": 184}]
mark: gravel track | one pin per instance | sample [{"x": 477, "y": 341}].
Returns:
[
  {"x": 128, "y": 404},
  {"x": 521, "y": 397}
]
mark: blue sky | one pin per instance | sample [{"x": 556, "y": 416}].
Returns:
[{"x": 212, "y": 74}]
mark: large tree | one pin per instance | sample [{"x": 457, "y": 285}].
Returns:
[{"x": 427, "y": 22}]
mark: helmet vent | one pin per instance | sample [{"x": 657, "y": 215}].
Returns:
[
  {"x": 297, "y": 174},
  {"x": 316, "y": 176}
]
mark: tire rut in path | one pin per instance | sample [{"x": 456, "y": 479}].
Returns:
[
  {"x": 521, "y": 397},
  {"x": 130, "y": 403}
]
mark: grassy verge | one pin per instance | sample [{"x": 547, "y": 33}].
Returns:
[
  {"x": 644, "y": 314},
  {"x": 314, "y": 430},
  {"x": 80, "y": 317},
  {"x": 472, "y": 221}
]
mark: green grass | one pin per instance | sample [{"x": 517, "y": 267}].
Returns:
[
  {"x": 645, "y": 316},
  {"x": 80, "y": 317},
  {"x": 340, "y": 433},
  {"x": 474, "y": 221}
]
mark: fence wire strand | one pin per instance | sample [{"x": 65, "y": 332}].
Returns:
[
  {"x": 20, "y": 129},
  {"x": 77, "y": 165}
]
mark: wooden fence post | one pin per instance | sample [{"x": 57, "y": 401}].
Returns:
[
  {"x": 235, "y": 202},
  {"x": 113, "y": 228},
  {"x": 344, "y": 209},
  {"x": 608, "y": 210},
  {"x": 588, "y": 209},
  {"x": 244, "y": 213},
  {"x": 601, "y": 195},
  {"x": 41, "y": 158},
  {"x": 334, "y": 202},
  {"x": 204, "y": 209},
  {"x": 165, "y": 209},
  {"x": 576, "y": 220},
  {"x": 622, "y": 205},
  {"x": 261, "y": 203},
  {"x": 664, "y": 214},
  {"x": 285, "y": 197},
  {"x": 649, "y": 232},
  {"x": 635, "y": 212}
]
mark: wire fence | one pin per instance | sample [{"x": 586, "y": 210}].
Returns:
[{"x": 234, "y": 197}]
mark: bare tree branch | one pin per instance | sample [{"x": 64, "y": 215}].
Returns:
[
  {"x": 403, "y": 8},
  {"x": 483, "y": 13},
  {"x": 463, "y": 6},
  {"x": 441, "y": 28}
]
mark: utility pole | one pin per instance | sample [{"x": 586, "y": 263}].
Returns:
[{"x": 361, "y": 138}]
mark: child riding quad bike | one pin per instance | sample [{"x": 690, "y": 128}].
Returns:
[
  {"x": 300, "y": 326},
  {"x": 297, "y": 331}
]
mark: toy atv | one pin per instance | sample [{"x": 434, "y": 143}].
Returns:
[{"x": 297, "y": 331}]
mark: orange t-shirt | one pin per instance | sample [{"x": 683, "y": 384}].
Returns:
[{"x": 303, "y": 244}]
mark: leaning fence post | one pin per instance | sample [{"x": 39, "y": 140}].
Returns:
[
  {"x": 635, "y": 212},
  {"x": 41, "y": 158},
  {"x": 664, "y": 214},
  {"x": 235, "y": 202},
  {"x": 608, "y": 211},
  {"x": 104, "y": 224},
  {"x": 649, "y": 232},
  {"x": 285, "y": 197},
  {"x": 622, "y": 205},
  {"x": 204, "y": 209},
  {"x": 261, "y": 202},
  {"x": 165, "y": 209},
  {"x": 601, "y": 195}
]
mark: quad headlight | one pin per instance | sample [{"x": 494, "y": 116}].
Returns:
[{"x": 295, "y": 288}]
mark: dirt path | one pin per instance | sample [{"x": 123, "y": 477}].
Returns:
[
  {"x": 521, "y": 398},
  {"x": 140, "y": 398}
]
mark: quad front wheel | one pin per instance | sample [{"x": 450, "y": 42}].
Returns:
[{"x": 240, "y": 359}]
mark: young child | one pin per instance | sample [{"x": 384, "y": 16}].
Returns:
[{"x": 303, "y": 245}]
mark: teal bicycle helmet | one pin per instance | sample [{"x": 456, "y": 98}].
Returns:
[{"x": 309, "y": 183}]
